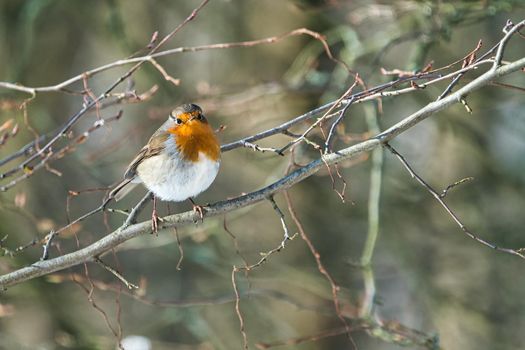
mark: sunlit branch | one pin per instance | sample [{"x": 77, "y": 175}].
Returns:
[{"x": 98, "y": 248}]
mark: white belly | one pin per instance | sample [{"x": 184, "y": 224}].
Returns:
[{"x": 177, "y": 180}]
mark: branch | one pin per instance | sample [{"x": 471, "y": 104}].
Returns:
[
  {"x": 436, "y": 106},
  {"x": 440, "y": 199},
  {"x": 45, "y": 151},
  {"x": 150, "y": 57},
  {"x": 121, "y": 235},
  {"x": 363, "y": 96}
]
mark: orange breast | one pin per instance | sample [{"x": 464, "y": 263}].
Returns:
[{"x": 195, "y": 138}]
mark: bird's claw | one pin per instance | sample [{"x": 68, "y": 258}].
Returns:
[
  {"x": 199, "y": 209},
  {"x": 155, "y": 219}
]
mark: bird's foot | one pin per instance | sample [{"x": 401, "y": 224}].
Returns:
[
  {"x": 199, "y": 209},
  {"x": 155, "y": 219}
]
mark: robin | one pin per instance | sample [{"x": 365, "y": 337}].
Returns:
[{"x": 180, "y": 160}]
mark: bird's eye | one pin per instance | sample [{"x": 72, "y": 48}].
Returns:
[
  {"x": 199, "y": 116},
  {"x": 178, "y": 121}
]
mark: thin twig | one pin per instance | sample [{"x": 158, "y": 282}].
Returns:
[
  {"x": 91, "y": 298},
  {"x": 282, "y": 245},
  {"x": 126, "y": 97},
  {"x": 503, "y": 42},
  {"x": 185, "y": 303},
  {"x": 94, "y": 102},
  {"x": 340, "y": 101},
  {"x": 153, "y": 54},
  {"x": 261, "y": 149},
  {"x": 181, "y": 250},
  {"x": 29, "y": 171},
  {"x": 48, "y": 239},
  {"x": 444, "y": 193},
  {"x": 451, "y": 213},
  {"x": 165, "y": 74},
  {"x": 467, "y": 61},
  {"x": 334, "y": 125},
  {"x": 320, "y": 266},
  {"x": 287, "y": 236},
  {"x": 116, "y": 274},
  {"x": 121, "y": 235},
  {"x": 500, "y": 47},
  {"x": 238, "y": 310},
  {"x": 370, "y": 94},
  {"x": 235, "y": 242}
]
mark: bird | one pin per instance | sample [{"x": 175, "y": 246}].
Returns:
[{"x": 180, "y": 160}]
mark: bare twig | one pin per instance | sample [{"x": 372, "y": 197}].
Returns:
[
  {"x": 181, "y": 250},
  {"x": 165, "y": 74},
  {"x": 116, "y": 274},
  {"x": 121, "y": 235},
  {"x": 120, "y": 98},
  {"x": 340, "y": 193},
  {"x": 238, "y": 310},
  {"x": 182, "y": 303},
  {"x": 45, "y": 150},
  {"x": 282, "y": 245},
  {"x": 320, "y": 266},
  {"x": 444, "y": 193},
  {"x": 363, "y": 96},
  {"x": 389, "y": 331},
  {"x": 48, "y": 239},
  {"x": 469, "y": 59},
  {"x": 331, "y": 133},
  {"x": 29, "y": 171},
  {"x": 130, "y": 219},
  {"x": 235, "y": 242},
  {"x": 287, "y": 236},
  {"x": 509, "y": 31},
  {"x": 370, "y": 94},
  {"x": 153, "y": 54},
  {"x": 261, "y": 149},
  {"x": 91, "y": 298},
  {"x": 320, "y": 120},
  {"x": 440, "y": 200}
]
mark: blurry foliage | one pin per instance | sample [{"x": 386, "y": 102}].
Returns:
[{"x": 428, "y": 276}]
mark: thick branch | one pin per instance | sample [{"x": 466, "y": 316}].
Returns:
[{"x": 89, "y": 253}]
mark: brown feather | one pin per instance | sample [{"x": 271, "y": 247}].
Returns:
[{"x": 154, "y": 147}]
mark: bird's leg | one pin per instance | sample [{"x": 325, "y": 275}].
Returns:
[
  {"x": 199, "y": 209},
  {"x": 154, "y": 217}
]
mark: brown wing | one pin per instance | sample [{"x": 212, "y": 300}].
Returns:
[{"x": 154, "y": 147}]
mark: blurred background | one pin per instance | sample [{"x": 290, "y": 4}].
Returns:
[{"x": 427, "y": 284}]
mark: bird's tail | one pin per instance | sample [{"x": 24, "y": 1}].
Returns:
[{"x": 122, "y": 189}]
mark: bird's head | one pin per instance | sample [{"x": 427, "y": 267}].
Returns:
[
  {"x": 192, "y": 132},
  {"x": 187, "y": 116}
]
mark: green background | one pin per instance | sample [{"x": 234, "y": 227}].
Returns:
[{"x": 428, "y": 275}]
